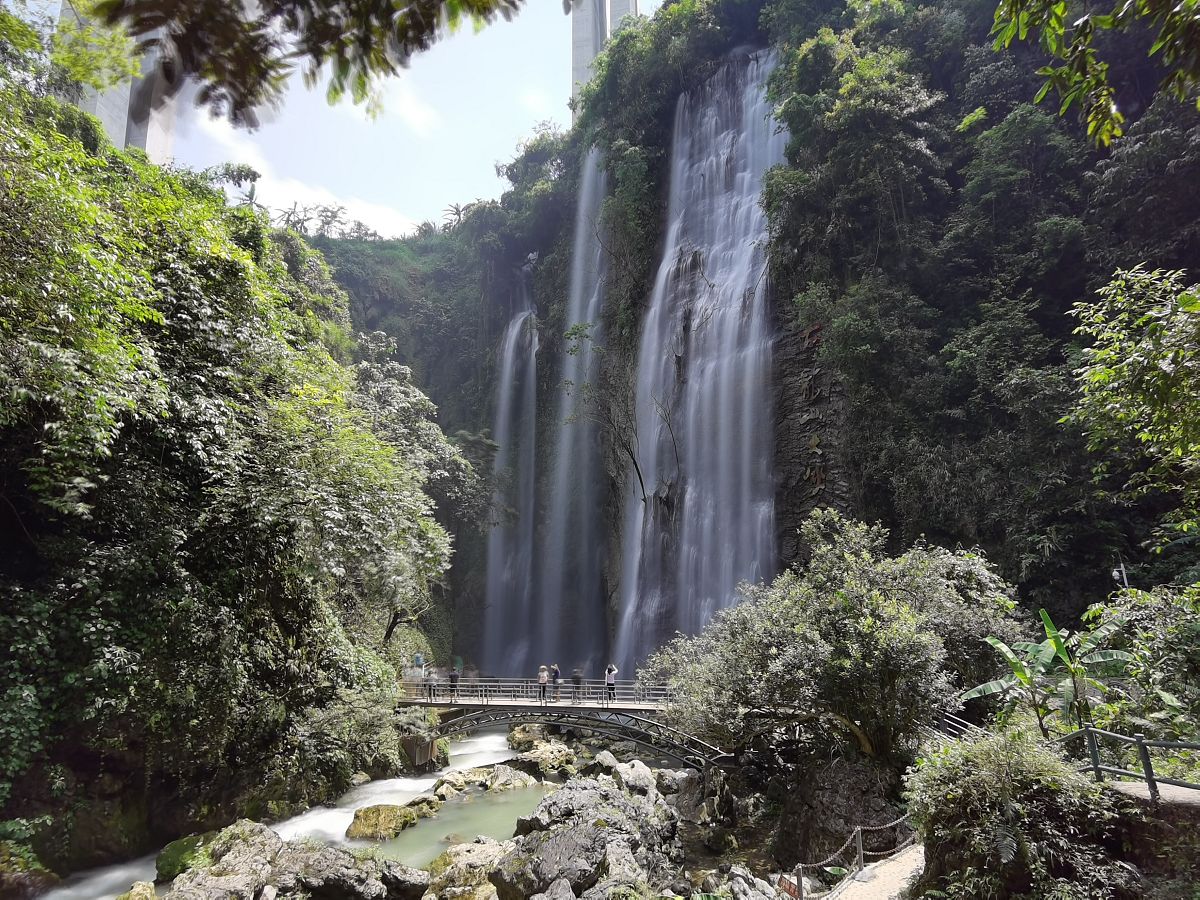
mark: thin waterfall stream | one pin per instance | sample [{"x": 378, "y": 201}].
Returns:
[
  {"x": 572, "y": 618},
  {"x": 507, "y": 644},
  {"x": 703, "y": 385}
]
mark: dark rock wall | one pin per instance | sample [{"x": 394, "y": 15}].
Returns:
[{"x": 810, "y": 408}]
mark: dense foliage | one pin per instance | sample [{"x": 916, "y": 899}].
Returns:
[
  {"x": 213, "y": 502},
  {"x": 1004, "y": 816},
  {"x": 853, "y": 643},
  {"x": 1140, "y": 388}
]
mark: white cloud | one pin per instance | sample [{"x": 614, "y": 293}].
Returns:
[
  {"x": 280, "y": 192},
  {"x": 399, "y": 102}
]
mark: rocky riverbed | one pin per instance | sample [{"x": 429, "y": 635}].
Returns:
[{"x": 607, "y": 825}]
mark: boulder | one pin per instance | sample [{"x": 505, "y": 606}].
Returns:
[
  {"x": 359, "y": 778},
  {"x": 248, "y": 861},
  {"x": 524, "y": 737},
  {"x": 604, "y": 763},
  {"x": 141, "y": 890},
  {"x": 636, "y": 778},
  {"x": 744, "y": 886},
  {"x": 591, "y": 831},
  {"x": 672, "y": 781},
  {"x": 558, "y": 890},
  {"x": 546, "y": 759},
  {"x": 425, "y": 807},
  {"x": 380, "y": 822},
  {"x": 179, "y": 856},
  {"x": 462, "y": 871},
  {"x": 240, "y": 864},
  {"x": 506, "y": 778}
]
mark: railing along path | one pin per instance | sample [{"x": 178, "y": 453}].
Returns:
[
  {"x": 1144, "y": 745},
  {"x": 483, "y": 691}
]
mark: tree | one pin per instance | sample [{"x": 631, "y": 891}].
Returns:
[
  {"x": 1139, "y": 389},
  {"x": 853, "y": 644},
  {"x": 243, "y": 54},
  {"x": 1081, "y": 75}
]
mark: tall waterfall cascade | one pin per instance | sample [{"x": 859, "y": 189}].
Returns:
[
  {"x": 507, "y": 637},
  {"x": 572, "y": 619},
  {"x": 700, "y": 519}
]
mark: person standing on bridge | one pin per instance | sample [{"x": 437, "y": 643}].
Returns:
[
  {"x": 454, "y": 676},
  {"x": 610, "y": 681},
  {"x": 576, "y": 684},
  {"x": 556, "y": 680},
  {"x": 543, "y": 680}
]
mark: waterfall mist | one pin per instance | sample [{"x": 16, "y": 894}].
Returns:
[
  {"x": 703, "y": 382},
  {"x": 507, "y": 639}
]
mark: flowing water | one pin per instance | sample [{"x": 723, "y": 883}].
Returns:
[
  {"x": 571, "y": 625},
  {"x": 701, "y": 518},
  {"x": 488, "y": 814},
  {"x": 509, "y": 613}
]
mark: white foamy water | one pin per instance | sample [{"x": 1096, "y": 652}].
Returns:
[{"x": 325, "y": 823}]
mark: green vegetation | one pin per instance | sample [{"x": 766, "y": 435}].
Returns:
[
  {"x": 216, "y": 503},
  {"x": 853, "y": 644},
  {"x": 1005, "y": 816}
]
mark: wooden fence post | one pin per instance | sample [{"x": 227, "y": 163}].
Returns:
[{"x": 1147, "y": 766}]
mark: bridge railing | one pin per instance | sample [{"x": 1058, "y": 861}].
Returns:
[{"x": 488, "y": 691}]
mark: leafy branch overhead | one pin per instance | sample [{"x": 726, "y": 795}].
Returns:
[
  {"x": 243, "y": 53},
  {"x": 1080, "y": 75}
]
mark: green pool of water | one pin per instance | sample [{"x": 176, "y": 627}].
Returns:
[{"x": 460, "y": 821}]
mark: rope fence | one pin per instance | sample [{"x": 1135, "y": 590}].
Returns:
[{"x": 793, "y": 885}]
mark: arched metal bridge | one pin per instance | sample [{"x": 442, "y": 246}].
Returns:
[{"x": 625, "y": 711}]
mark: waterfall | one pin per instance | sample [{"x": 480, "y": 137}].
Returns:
[
  {"x": 702, "y": 398},
  {"x": 507, "y": 644},
  {"x": 570, "y": 598}
]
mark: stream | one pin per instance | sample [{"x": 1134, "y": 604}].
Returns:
[{"x": 458, "y": 821}]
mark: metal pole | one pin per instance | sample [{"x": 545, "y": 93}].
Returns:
[
  {"x": 1093, "y": 751},
  {"x": 858, "y": 844},
  {"x": 1147, "y": 767},
  {"x": 800, "y": 882}
]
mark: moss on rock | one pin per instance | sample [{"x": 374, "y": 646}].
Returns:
[
  {"x": 179, "y": 856},
  {"x": 381, "y": 822}
]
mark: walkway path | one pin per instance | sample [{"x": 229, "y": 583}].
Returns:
[
  {"x": 1167, "y": 793},
  {"x": 888, "y": 877}
]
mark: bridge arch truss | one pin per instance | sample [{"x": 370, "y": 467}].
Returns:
[{"x": 649, "y": 733}]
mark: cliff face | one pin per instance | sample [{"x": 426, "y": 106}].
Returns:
[{"x": 810, "y": 461}]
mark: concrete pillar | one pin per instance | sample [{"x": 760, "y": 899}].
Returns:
[
  {"x": 589, "y": 29},
  {"x": 619, "y": 10}
]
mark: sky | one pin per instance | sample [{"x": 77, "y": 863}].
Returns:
[{"x": 461, "y": 107}]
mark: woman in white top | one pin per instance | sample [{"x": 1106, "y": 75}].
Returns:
[{"x": 543, "y": 680}]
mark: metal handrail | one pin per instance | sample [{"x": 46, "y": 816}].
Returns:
[
  {"x": 1099, "y": 770},
  {"x": 485, "y": 690}
]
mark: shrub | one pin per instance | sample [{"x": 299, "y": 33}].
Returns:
[{"x": 1005, "y": 816}]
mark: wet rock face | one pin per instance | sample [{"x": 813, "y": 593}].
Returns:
[
  {"x": 248, "y": 861},
  {"x": 595, "y": 835}
]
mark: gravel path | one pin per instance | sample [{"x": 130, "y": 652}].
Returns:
[{"x": 888, "y": 878}]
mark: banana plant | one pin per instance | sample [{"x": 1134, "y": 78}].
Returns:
[
  {"x": 1054, "y": 674},
  {"x": 1027, "y": 681}
]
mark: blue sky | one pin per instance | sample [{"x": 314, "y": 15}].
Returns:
[{"x": 460, "y": 108}]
